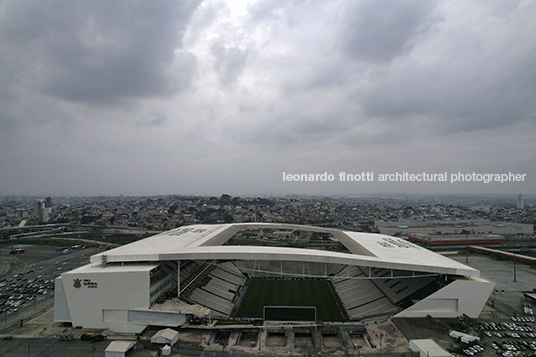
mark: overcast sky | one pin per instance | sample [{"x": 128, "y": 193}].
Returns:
[{"x": 212, "y": 97}]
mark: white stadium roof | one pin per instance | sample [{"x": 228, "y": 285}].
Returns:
[{"x": 204, "y": 242}]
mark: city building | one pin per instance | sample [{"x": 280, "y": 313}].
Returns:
[
  {"x": 452, "y": 227},
  {"x": 456, "y": 239},
  {"x": 372, "y": 276},
  {"x": 42, "y": 212},
  {"x": 520, "y": 202}
]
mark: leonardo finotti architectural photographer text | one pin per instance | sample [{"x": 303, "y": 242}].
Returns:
[{"x": 370, "y": 176}]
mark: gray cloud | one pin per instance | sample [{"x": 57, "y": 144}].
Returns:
[
  {"x": 163, "y": 97},
  {"x": 97, "y": 52},
  {"x": 266, "y": 10},
  {"x": 489, "y": 87},
  {"x": 380, "y": 30},
  {"x": 229, "y": 62},
  {"x": 203, "y": 17}
]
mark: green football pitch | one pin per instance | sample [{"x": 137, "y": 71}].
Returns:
[{"x": 316, "y": 293}]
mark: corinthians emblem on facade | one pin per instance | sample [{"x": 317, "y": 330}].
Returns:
[{"x": 77, "y": 283}]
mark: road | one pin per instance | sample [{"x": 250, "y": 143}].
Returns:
[
  {"x": 38, "y": 263},
  {"x": 51, "y": 347}
]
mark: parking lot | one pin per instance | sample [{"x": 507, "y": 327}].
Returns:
[
  {"x": 506, "y": 325},
  {"x": 502, "y": 272},
  {"x": 50, "y": 347},
  {"x": 510, "y": 337},
  {"x": 27, "y": 279},
  {"x": 504, "y": 328}
]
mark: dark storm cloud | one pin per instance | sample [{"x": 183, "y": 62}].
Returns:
[
  {"x": 97, "y": 51},
  {"x": 380, "y": 30}
]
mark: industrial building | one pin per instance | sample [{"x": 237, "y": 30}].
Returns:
[
  {"x": 452, "y": 227},
  {"x": 428, "y": 348},
  {"x": 200, "y": 271},
  {"x": 442, "y": 240}
]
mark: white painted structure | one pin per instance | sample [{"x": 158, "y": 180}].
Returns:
[
  {"x": 465, "y": 337},
  {"x": 108, "y": 296},
  {"x": 205, "y": 242},
  {"x": 165, "y": 337},
  {"x": 118, "y": 348},
  {"x": 119, "y": 288},
  {"x": 462, "y": 296},
  {"x": 428, "y": 348},
  {"x": 166, "y": 350}
]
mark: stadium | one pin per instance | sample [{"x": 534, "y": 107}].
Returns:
[{"x": 265, "y": 273}]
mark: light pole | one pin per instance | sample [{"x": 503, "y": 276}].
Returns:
[
  {"x": 495, "y": 291},
  {"x": 515, "y": 277},
  {"x": 466, "y": 245}
]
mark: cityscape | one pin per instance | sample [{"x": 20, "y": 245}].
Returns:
[
  {"x": 355, "y": 213},
  {"x": 47, "y": 240},
  {"x": 222, "y": 178}
]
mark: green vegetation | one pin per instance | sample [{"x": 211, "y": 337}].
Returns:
[
  {"x": 304, "y": 238},
  {"x": 316, "y": 293}
]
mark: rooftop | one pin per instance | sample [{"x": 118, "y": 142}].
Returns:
[{"x": 204, "y": 242}]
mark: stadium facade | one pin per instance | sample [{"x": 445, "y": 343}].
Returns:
[{"x": 194, "y": 271}]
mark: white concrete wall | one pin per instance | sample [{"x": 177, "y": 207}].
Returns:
[
  {"x": 119, "y": 291},
  {"x": 459, "y": 297},
  {"x": 159, "y": 318},
  {"x": 61, "y": 308},
  {"x": 113, "y": 354},
  {"x": 428, "y": 348}
]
